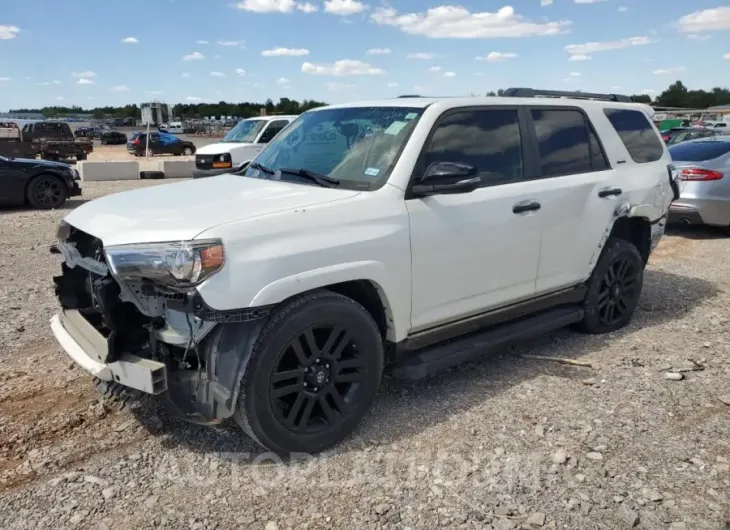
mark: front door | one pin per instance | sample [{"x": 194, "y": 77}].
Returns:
[{"x": 476, "y": 251}]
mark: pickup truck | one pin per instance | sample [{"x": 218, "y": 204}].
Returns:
[{"x": 50, "y": 140}]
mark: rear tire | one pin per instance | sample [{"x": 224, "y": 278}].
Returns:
[
  {"x": 312, "y": 376},
  {"x": 188, "y": 151},
  {"x": 614, "y": 288},
  {"x": 46, "y": 192}
]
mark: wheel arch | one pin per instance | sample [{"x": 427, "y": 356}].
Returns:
[
  {"x": 636, "y": 229},
  {"x": 362, "y": 281}
]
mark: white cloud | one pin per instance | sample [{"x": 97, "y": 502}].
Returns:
[
  {"x": 193, "y": 98},
  {"x": 394, "y": 84},
  {"x": 706, "y": 20},
  {"x": 622, "y": 9},
  {"x": 479, "y": 74},
  {"x": 580, "y": 57},
  {"x": 130, "y": 40},
  {"x": 456, "y": 22},
  {"x": 449, "y": 74},
  {"x": 378, "y": 51},
  {"x": 285, "y": 52},
  {"x": 544, "y": 3},
  {"x": 241, "y": 72},
  {"x": 201, "y": 42},
  {"x": 336, "y": 87},
  {"x": 616, "y": 87},
  {"x": 119, "y": 88},
  {"x": 195, "y": 56},
  {"x": 674, "y": 70},
  {"x": 306, "y": 7},
  {"x": 694, "y": 36},
  {"x": 434, "y": 69},
  {"x": 267, "y": 6},
  {"x": 726, "y": 56},
  {"x": 217, "y": 74},
  {"x": 186, "y": 74},
  {"x": 421, "y": 55},
  {"x": 87, "y": 74},
  {"x": 282, "y": 81},
  {"x": 587, "y": 1},
  {"x": 4, "y": 79},
  {"x": 342, "y": 67},
  {"x": 59, "y": 98},
  {"x": 84, "y": 81},
  {"x": 230, "y": 42},
  {"x": 344, "y": 7},
  {"x": 497, "y": 56},
  {"x": 648, "y": 91},
  {"x": 574, "y": 74},
  {"x": 154, "y": 92},
  {"x": 593, "y": 47},
  {"x": 8, "y": 32}
]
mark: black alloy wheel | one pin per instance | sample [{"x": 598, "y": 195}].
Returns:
[
  {"x": 614, "y": 288},
  {"x": 46, "y": 192},
  {"x": 312, "y": 375},
  {"x": 316, "y": 379}
]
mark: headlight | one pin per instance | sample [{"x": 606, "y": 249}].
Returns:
[{"x": 174, "y": 264}]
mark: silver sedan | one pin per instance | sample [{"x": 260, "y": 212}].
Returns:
[{"x": 704, "y": 182}]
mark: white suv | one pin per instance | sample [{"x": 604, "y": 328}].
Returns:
[{"x": 408, "y": 233}]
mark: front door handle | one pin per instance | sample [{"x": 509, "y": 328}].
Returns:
[
  {"x": 525, "y": 206},
  {"x": 609, "y": 192}
]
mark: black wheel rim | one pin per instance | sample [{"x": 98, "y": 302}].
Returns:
[
  {"x": 48, "y": 192},
  {"x": 618, "y": 291},
  {"x": 316, "y": 378}
]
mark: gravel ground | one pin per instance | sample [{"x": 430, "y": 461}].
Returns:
[{"x": 503, "y": 443}]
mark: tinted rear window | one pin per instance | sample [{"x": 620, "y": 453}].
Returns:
[
  {"x": 637, "y": 134},
  {"x": 698, "y": 151}
]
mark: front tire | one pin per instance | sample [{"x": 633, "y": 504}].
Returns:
[
  {"x": 614, "y": 288},
  {"x": 312, "y": 376},
  {"x": 46, "y": 192}
]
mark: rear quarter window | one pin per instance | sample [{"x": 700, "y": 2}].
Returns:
[
  {"x": 698, "y": 151},
  {"x": 637, "y": 134}
]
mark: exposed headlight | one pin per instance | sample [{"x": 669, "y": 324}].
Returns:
[{"x": 174, "y": 264}]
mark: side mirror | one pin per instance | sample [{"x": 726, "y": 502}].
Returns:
[{"x": 447, "y": 178}]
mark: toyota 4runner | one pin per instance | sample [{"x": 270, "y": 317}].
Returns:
[{"x": 409, "y": 234}]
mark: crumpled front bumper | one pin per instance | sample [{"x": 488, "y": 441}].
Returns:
[{"x": 88, "y": 348}]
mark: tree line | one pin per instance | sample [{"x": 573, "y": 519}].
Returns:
[{"x": 676, "y": 95}]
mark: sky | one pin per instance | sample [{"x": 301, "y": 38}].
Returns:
[{"x": 100, "y": 52}]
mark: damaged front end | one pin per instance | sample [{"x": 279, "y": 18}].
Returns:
[{"x": 131, "y": 315}]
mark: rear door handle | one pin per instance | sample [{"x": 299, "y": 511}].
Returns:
[
  {"x": 525, "y": 206},
  {"x": 609, "y": 192}
]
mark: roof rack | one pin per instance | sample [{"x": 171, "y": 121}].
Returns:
[{"x": 533, "y": 93}]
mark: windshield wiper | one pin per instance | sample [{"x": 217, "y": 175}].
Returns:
[
  {"x": 323, "y": 180},
  {"x": 263, "y": 169}
]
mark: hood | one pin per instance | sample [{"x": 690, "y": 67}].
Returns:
[
  {"x": 220, "y": 147},
  {"x": 181, "y": 211},
  {"x": 41, "y": 163}
]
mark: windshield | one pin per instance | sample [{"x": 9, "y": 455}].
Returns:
[
  {"x": 245, "y": 131},
  {"x": 356, "y": 145}
]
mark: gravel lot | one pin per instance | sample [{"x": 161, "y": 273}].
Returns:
[{"x": 503, "y": 443}]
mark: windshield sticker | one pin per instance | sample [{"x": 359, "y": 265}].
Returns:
[
  {"x": 372, "y": 172},
  {"x": 411, "y": 115},
  {"x": 395, "y": 127}
]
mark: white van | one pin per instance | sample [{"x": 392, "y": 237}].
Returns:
[
  {"x": 239, "y": 146},
  {"x": 175, "y": 127}
]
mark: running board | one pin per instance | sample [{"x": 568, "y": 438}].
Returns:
[{"x": 442, "y": 356}]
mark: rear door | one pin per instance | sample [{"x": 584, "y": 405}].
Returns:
[{"x": 576, "y": 188}]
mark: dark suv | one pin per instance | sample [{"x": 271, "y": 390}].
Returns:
[{"x": 160, "y": 144}]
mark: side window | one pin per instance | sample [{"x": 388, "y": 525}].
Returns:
[
  {"x": 487, "y": 139},
  {"x": 637, "y": 134},
  {"x": 272, "y": 130},
  {"x": 567, "y": 146}
]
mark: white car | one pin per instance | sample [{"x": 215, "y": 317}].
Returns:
[
  {"x": 239, "y": 146},
  {"x": 407, "y": 233}
]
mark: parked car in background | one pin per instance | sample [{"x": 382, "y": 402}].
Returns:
[
  {"x": 162, "y": 144},
  {"x": 692, "y": 133},
  {"x": 130, "y": 142},
  {"x": 239, "y": 146},
  {"x": 38, "y": 183},
  {"x": 704, "y": 182},
  {"x": 175, "y": 127},
  {"x": 52, "y": 140},
  {"x": 113, "y": 138}
]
